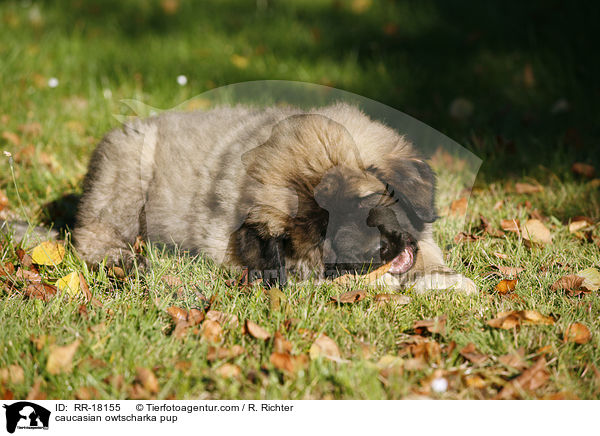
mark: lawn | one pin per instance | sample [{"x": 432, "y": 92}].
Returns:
[{"x": 496, "y": 78}]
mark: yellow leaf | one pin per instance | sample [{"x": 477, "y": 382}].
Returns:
[
  {"x": 48, "y": 253},
  {"x": 591, "y": 279},
  {"x": 69, "y": 284},
  {"x": 239, "y": 61}
]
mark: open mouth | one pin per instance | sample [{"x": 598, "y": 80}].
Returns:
[{"x": 403, "y": 262}]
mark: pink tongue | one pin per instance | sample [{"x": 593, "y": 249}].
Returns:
[{"x": 402, "y": 263}]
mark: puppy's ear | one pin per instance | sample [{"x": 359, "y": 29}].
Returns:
[{"x": 413, "y": 181}]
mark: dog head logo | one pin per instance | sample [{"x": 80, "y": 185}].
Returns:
[{"x": 26, "y": 415}]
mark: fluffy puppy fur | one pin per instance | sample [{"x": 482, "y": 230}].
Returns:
[{"x": 275, "y": 190}]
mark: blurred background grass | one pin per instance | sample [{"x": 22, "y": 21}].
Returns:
[{"x": 516, "y": 83}]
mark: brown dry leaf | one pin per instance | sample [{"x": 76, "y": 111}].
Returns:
[
  {"x": 281, "y": 344},
  {"x": 506, "y": 286},
  {"x": 489, "y": 229},
  {"x": 515, "y": 359},
  {"x": 169, "y": 7},
  {"x": 222, "y": 318},
  {"x": 511, "y": 271},
  {"x": 11, "y": 137},
  {"x": 571, "y": 283},
  {"x": 510, "y": 225},
  {"x": 60, "y": 358},
  {"x": 527, "y": 188},
  {"x": 577, "y": 333},
  {"x": 195, "y": 316},
  {"x": 475, "y": 381},
  {"x": 85, "y": 289},
  {"x": 350, "y": 297},
  {"x": 514, "y": 318},
  {"x": 535, "y": 232},
  {"x": 40, "y": 291},
  {"x": 86, "y": 393},
  {"x": 459, "y": 207},
  {"x": 426, "y": 350},
  {"x": 371, "y": 277},
  {"x": 223, "y": 353},
  {"x": 579, "y": 223},
  {"x": 466, "y": 237},
  {"x": 395, "y": 299},
  {"x": 528, "y": 76},
  {"x": 3, "y": 200},
  {"x": 471, "y": 353},
  {"x": 500, "y": 255},
  {"x": 7, "y": 269},
  {"x": 48, "y": 253},
  {"x": 178, "y": 314},
  {"x": 35, "y": 393},
  {"x": 255, "y": 330},
  {"x": 326, "y": 347},
  {"x": 531, "y": 379},
  {"x": 32, "y": 129},
  {"x": 286, "y": 362},
  {"x": 583, "y": 169},
  {"x": 211, "y": 331},
  {"x": 147, "y": 379},
  {"x": 13, "y": 374},
  {"x": 228, "y": 370},
  {"x": 436, "y": 325}
]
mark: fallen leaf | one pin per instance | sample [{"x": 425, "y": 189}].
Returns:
[
  {"x": 579, "y": 223},
  {"x": 35, "y": 393},
  {"x": 69, "y": 284},
  {"x": 255, "y": 330},
  {"x": 489, "y": 229},
  {"x": 211, "y": 331},
  {"x": 528, "y": 76},
  {"x": 48, "y": 253},
  {"x": 459, "y": 207},
  {"x": 527, "y": 188},
  {"x": 169, "y": 7},
  {"x": 60, "y": 358},
  {"x": 514, "y": 359},
  {"x": 40, "y": 291},
  {"x": 240, "y": 62},
  {"x": 228, "y": 370},
  {"x": 28, "y": 276},
  {"x": 287, "y": 362},
  {"x": 531, "y": 379},
  {"x": 222, "y": 318},
  {"x": 32, "y": 129},
  {"x": 510, "y": 271},
  {"x": 3, "y": 200},
  {"x": 506, "y": 286},
  {"x": 534, "y": 231},
  {"x": 350, "y": 297},
  {"x": 223, "y": 353},
  {"x": 577, "y": 333},
  {"x": 86, "y": 393},
  {"x": 583, "y": 169},
  {"x": 371, "y": 277},
  {"x": 147, "y": 379},
  {"x": 85, "y": 289},
  {"x": 471, "y": 353},
  {"x": 178, "y": 314},
  {"x": 13, "y": 374},
  {"x": 396, "y": 299},
  {"x": 500, "y": 256},
  {"x": 514, "y": 318},
  {"x": 325, "y": 347},
  {"x": 510, "y": 225},
  {"x": 281, "y": 344},
  {"x": 390, "y": 365},
  {"x": 11, "y": 137},
  {"x": 570, "y": 283},
  {"x": 276, "y": 298},
  {"x": 195, "y": 316},
  {"x": 360, "y": 6},
  {"x": 466, "y": 237},
  {"x": 436, "y": 325},
  {"x": 591, "y": 279},
  {"x": 475, "y": 381}
]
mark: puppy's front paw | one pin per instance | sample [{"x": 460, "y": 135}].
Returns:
[
  {"x": 435, "y": 280},
  {"x": 445, "y": 280}
]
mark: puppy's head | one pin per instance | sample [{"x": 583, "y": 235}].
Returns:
[{"x": 358, "y": 204}]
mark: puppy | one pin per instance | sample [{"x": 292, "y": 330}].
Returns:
[{"x": 279, "y": 190}]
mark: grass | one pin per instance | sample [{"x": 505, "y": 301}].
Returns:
[{"x": 103, "y": 52}]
